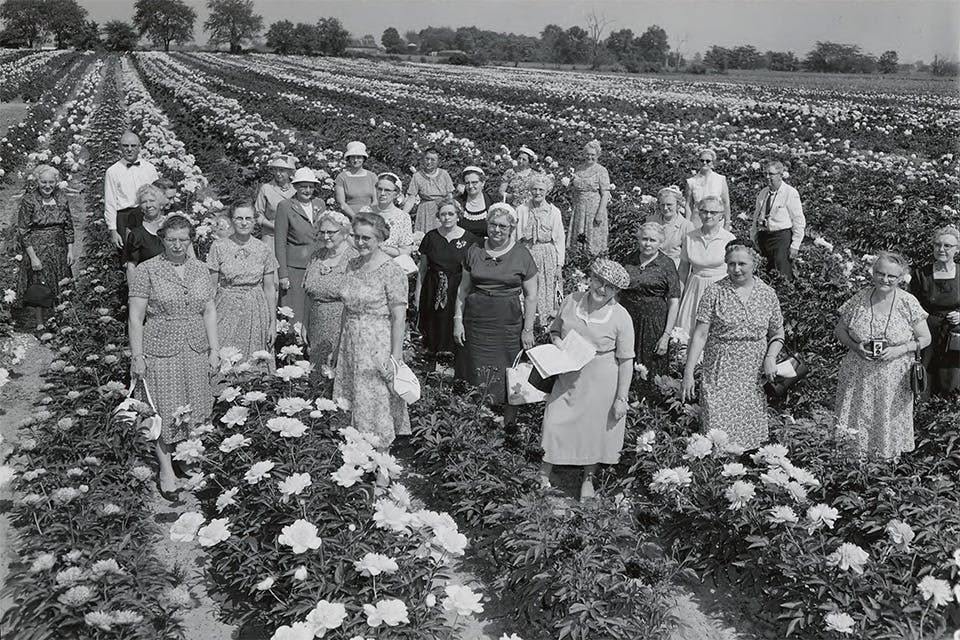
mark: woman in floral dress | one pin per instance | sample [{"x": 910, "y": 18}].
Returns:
[
  {"x": 874, "y": 403},
  {"x": 739, "y": 332},
  {"x": 173, "y": 339},
  {"x": 400, "y": 239},
  {"x": 515, "y": 183},
  {"x": 374, "y": 294},
  {"x": 271, "y": 194},
  {"x": 432, "y": 184},
  {"x": 45, "y": 232},
  {"x": 540, "y": 229},
  {"x": 324, "y": 278},
  {"x": 589, "y": 225},
  {"x": 246, "y": 275}
]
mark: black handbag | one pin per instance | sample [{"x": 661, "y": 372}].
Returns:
[
  {"x": 780, "y": 385},
  {"x": 919, "y": 379},
  {"x": 39, "y": 294}
]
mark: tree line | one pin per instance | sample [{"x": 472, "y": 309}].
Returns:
[{"x": 31, "y": 23}]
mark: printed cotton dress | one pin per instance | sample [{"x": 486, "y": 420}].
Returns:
[
  {"x": 325, "y": 310},
  {"x": 431, "y": 190},
  {"x": 588, "y": 187}
]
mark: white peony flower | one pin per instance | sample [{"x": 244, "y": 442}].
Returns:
[
  {"x": 214, "y": 533},
  {"x": 373, "y": 564},
  {"x": 295, "y": 484},
  {"x": 300, "y": 536},
  {"x": 185, "y": 527},
  {"x": 258, "y": 472},
  {"x": 389, "y": 612},
  {"x": 462, "y": 600}
]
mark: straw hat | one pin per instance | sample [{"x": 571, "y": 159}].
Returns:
[
  {"x": 304, "y": 174},
  {"x": 356, "y": 148},
  {"x": 612, "y": 272},
  {"x": 281, "y": 162}
]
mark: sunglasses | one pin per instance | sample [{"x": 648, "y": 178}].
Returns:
[{"x": 705, "y": 160}]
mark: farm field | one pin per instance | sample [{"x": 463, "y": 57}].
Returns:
[{"x": 261, "y": 550}]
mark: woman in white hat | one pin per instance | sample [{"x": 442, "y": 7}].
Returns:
[
  {"x": 515, "y": 183},
  {"x": 355, "y": 187},
  {"x": 584, "y": 419},
  {"x": 432, "y": 184},
  {"x": 474, "y": 201},
  {"x": 296, "y": 234},
  {"x": 272, "y": 193}
]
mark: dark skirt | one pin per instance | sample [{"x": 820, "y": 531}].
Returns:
[
  {"x": 942, "y": 365},
  {"x": 493, "y": 326},
  {"x": 649, "y": 315},
  {"x": 50, "y": 244},
  {"x": 436, "y": 321}
]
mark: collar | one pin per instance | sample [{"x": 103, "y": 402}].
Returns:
[{"x": 135, "y": 163}]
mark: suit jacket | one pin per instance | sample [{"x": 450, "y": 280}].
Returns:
[
  {"x": 294, "y": 234},
  {"x": 786, "y": 212}
]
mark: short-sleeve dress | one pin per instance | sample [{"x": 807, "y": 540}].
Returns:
[
  {"x": 938, "y": 297},
  {"x": 874, "y": 397},
  {"x": 322, "y": 284},
  {"x": 175, "y": 344},
  {"x": 401, "y": 232},
  {"x": 579, "y": 427},
  {"x": 700, "y": 186},
  {"x": 518, "y": 185},
  {"x": 493, "y": 317},
  {"x": 706, "y": 258},
  {"x": 647, "y": 300},
  {"x": 359, "y": 189},
  {"x": 474, "y": 217},
  {"x": 588, "y": 187},
  {"x": 141, "y": 245},
  {"x": 364, "y": 375},
  {"x": 269, "y": 195},
  {"x": 431, "y": 190},
  {"x": 48, "y": 228},
  {"x": 439, "y": 289},
  {"x": 540, "y": 228},
  {"x": 731, "y": 395},
  {"x": 243, "y": 312}
]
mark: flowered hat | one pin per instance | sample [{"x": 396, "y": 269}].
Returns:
[
  {"x": 527, "y": 150},
  {"x": 612, "y": 272},
  {"x": 356, "y": 148},
  {"x": 281, "y": 162},
  {"x": 304, "y": 174}
]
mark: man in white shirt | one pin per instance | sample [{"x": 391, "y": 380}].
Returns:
[
  {"x": 120, "y": 186},
  {"x": 778, "y": 222}
]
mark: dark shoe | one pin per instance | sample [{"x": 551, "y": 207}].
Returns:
[
  {"x": 169, "y": 496},
  {"x": 180, "y": 469}
]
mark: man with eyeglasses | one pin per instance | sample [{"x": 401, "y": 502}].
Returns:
[
  {"x": 778, "y": 223},
  {"x": 120, "y": 185}
]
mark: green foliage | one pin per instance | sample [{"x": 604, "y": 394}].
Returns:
[
  {"x": 164, "y": 21},
  {"x": 119, "y": 36},
  {"x": 232, "y": 22}
]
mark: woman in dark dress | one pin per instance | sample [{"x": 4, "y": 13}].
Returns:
[
  {"x": 488, "y": 320},
  {"x": 443, "y": 250},
  {"x": 652, "y": 299},
  {"x": 46, "y": 235},
  {"x": 937, "y": 287},
  {"x": 475, "y": 201},
  {"x": 143, "y": 242}
]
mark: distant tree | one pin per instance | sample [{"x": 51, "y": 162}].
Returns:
[
  {"x": 232, "y": 22},
  {"x": 281, "y": 37},
  {"x": 164, "y": 21},
  {"x": 620, "y": 43},
  {"x": 64, "y": 18},
  {"x": 392, "y": 41},
  {"x": 119, "y": 36},
  {"x": 596, "y": 25},
  {"x": 332, "y": 36},
  {"x": 25, "y": 22},
  {"x": 437, "y": 39},
  {"x": 653, "y": 45},
  {"x": 781, "y": 61},
  {"x": 468, "y": 39},
  {"x": 718, "y": 58},
  {"x": 831, "y": 57},
  {"x": 745, "y": 57},
  {"x": 944, "y": 68},
  {"x": 412, "y": 38},
  {"x": 575, "y": 46},
  {"x": 549, "y": 38},
  {"x": 87, "y": 37},
  {"x": 306, "y": 39},
  {"x": 888, "y": 62}
]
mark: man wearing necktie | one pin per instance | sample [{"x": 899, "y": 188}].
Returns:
[
  {"x": 120, "y": 186},
  {"x": 778, "y": 222}
]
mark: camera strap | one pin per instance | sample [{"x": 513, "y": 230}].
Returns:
[{"x": 889, "y": 314}]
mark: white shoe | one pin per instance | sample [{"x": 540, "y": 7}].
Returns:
[
  {"x": 545, "y": 483},
  {"x": 586, "y": 490}
]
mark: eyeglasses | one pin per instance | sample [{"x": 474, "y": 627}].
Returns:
[
  {"x": 944, "y": 245},
  {"x": 709, "y": 212},
  {"x": 472, "y": 183},
  {"x": 773, "y": 173},
  {"x": 385, "y": 189},
  {"x": 495, "y": 225},
  {"x": 327, "y": 233},
  {"x": 176, "y": 240},
  {"x": 705, "y": 160}
]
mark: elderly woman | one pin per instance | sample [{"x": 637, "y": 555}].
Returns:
[
  {"x": 296, "y": 229},
  {"x": 322, "y": 283},
  {"x": 540, "y": 229},
  {"x": 374, "y": 294},
  {"x": 173, "y": 339},
  {"x": 702, "y": 260},
  {"x": 589, "y": 225},
  {"x": 431, "y": 184},
  {"x": 675, "y": 225},
  {"x": 488, "y": 319},
  {"x": 45, "y": 233},
  {"x": 245, "y": 273},
  {"x": 937, "y": 287},
  {"x": 443, "y": 251},
  {"x": 474, "y": 201},
  {"x": 355, "y": 187},
  {"x": 142, "y": 240},
  {"x": 584, "y": 420},
  {"x": 708, "y": 183},
  {"x": 400, "y": 238},
  {"x": 882, "y": 326},
  {"x": 515, "y": 182},
  {"x": 652, "y": 298},
  {"x": 739, "y": 333},
  {"x": 271, "y": 194}
]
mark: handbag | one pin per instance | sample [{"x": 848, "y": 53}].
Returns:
[
  {"x": 952, "y": 342},
  {"x": 405, "y": 383},
  {"x": 525, "y": 385},
  {"x": 791, "y": 368},
  {"x": 39, "y": 294},
  {"x": 919, "y": 379},
  {"x": 136, "y": 412}
]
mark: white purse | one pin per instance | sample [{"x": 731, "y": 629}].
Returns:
[
  {"x": 405, "y": 382},
  {"x": 519, "y": 389},
  {"x": 138, "y": 413}
]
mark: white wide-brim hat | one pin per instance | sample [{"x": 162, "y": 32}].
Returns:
[
  {"x": 281, "y": 162},
  {"x": 356, "y": 148},
  {"x": 304, "y": 174}
]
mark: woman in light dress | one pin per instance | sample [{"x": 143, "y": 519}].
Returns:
[
  {"x": 515, "y": 182},
  {"x": 707, "y": 183},
  {"x": 540, "y": 229},
  {"x": 589, "y": 224},
  {"x": 271, "y": 194},
  {"x": 585, "y": 415},
  {"x": 400, "y": 238},
  {"x": 355, "y": 187},
  {"x": 431, "y": 185}
]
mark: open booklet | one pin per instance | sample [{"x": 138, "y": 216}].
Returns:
[{"x": 573, "y": 354}]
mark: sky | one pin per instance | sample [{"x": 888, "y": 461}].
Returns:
[{"x": 916, "y": 29}]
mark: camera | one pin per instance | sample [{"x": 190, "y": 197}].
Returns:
[{"x": 876, "y": 347}]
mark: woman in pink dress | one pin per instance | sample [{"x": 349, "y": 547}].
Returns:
[
  {"x": 701, "y": 261},
  {"x": 707, "y": 183}
]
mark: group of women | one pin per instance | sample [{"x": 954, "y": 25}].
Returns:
[{"x": 489, "y": 271}]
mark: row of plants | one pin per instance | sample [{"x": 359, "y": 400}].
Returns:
[
  {"x": 85, "y": 566},
  {"x": 22, "y": 75}
]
